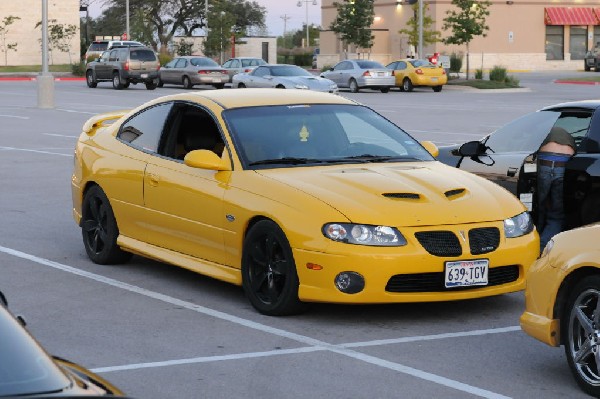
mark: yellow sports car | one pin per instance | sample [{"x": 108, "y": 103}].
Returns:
[
  {"x": 412, "y": 73},
  {"x": 298, "y": 196},
  {"x": 562, "y": 302}
]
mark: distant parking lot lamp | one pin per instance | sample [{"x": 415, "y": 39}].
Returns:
[{"x": 314, "y": 3}]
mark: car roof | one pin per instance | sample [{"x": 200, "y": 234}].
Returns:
[
  {"x": 590, "y": 104},
  {"x": 235, "y": 98}
]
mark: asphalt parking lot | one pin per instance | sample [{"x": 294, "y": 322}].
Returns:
[{"x": 157, "y": 331}]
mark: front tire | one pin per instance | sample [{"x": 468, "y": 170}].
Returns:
[
  {"x": 116, "y": 81},
  {"x": 90, "y": 79},
  {"x": 187, "y": 83},
  {"x": 353, "y": 86},
  {"x": 241, "y": 86},
  {"x": 99, "y": 229},
  {"x": 581, "y": 332},
  {"x": 269, "y": 275}
]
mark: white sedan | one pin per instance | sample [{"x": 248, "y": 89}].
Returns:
[{"x": 283, "y": 76}]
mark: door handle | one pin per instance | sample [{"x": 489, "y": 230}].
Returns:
[
  {"x": 511, "y": 172},
  {"x": 153, "y": 179}
]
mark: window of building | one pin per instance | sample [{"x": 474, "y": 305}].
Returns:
[
  {"x": 578, "y": 42},
  {"x": 596, "y": 36},
  {"x": 555, "y": 42}
]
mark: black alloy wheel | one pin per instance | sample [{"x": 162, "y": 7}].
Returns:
[
  {"x": 269, "y": 275},
  {"x": 581, "y": 334},
  {"x": 99, "y": 229}
]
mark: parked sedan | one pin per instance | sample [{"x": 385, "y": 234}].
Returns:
[
  {"x": 297, "y": 196},
  {"x": 192, "y": 70},
  {"x": 283, "y": 76},
  {"x": 26, "y": 370},
  {"x": 504, "y": 157},
  {"x": 562, "y": 302},
  {"x": 241, "y": 64},
  {"x": 411, "y": 73},
  {"x": 358, "y": 74}
]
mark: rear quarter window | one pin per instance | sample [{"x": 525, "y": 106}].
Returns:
[{"x": 143, "y": 55}]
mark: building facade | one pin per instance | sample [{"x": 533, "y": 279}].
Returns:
[
  {"x": 27, "y": 36},
  {"x": 523, "y": 35}
]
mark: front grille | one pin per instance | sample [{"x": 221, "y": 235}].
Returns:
[
  {"x": 434, "y": 282},
  {"x": 484, "y": 240},
  {"x": 439, "y": 243}
]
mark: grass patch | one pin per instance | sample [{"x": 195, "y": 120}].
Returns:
[
  {"x": 35, "y": 68},
  {"x": 483, "y": 84}
]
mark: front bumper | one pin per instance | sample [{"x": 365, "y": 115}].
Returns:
[{"x": 382, "y": 268}]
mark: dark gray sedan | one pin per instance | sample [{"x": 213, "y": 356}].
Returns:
[
  {"x": 283, "y": 76},
  {"x": 192, "y": 70}
]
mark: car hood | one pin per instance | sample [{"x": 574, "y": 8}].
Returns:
[{"x": 407, "y": 194}]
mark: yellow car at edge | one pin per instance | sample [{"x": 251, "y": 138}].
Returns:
[
  {"x": 562, "y": 302},
  {"x": 411, "y": 73},
  {"x": 297, "y": 196}
]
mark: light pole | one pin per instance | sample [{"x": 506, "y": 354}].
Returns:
[
  {"x": 221, "y": 36},
  {"x": 127, "y": 19},
  {"x": 314, "y": 3}
]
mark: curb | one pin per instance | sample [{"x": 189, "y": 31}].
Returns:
[{"x": 34, "y": 78}]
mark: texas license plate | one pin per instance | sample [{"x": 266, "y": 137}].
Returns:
[
  {"x": 216, "y": 80},
  {"x": 434, "y": 79},
  {"x": 465, "y": 273},
  {"x": 144, "y": 75}
]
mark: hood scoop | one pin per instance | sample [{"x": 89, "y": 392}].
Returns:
[
  {"x": 402, "y": 195},
  {"x": 452, "y": 194}
]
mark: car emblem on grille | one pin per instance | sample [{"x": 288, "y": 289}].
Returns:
[{"x": 462, "y": 235}]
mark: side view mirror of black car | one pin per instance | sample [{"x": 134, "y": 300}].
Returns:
[{"x": 472, "y": 149}]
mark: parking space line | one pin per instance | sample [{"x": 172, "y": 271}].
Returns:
[
  {"x": 60, "y": 135},
  {"x": 13, "y": 116},
  {"x": 36, "y": 151},
  {"x": 315, "y": 343}
]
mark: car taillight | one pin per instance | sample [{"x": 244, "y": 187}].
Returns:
[
  {"x": 443, "y": 71},
  {"x": 126, "y": 67},
  {"x": 247, "y": 69},
  {"x": 224, "y": 72},
  {"x": 419, "y": 71},
  {"x": 202, "y": 72},
  {"x": 158, "y": 66},
  {"x": 367, "y": 73}
]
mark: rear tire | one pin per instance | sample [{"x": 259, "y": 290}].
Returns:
[
  {"x": 241, "y": 86},
  {"x": 220, "y": 86},
  {"x": 187, "y": 83},
  {"x": 116, "y": 81},
  {"x": 151, "y": 85},
  {"x": 437, "y": 89},
  {"x": 90, "y": 79},
  {"x": 407, "y": 85},
  {"x": 385, "y": 89},
  {"x": 160, "y": 83},
  {"x": 99, "y": 229}
]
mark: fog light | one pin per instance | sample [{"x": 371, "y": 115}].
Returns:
[{"x": 349, "y": 282}]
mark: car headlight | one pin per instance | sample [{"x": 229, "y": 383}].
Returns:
[
  {"x": 301, "y": 87},
  {"x": 333, "y": 87},
  {"x": 518, "y": 226},
  {"x": 362, "y": 234}
]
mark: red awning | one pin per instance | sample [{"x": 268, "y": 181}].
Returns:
[{"x": 571, "y": 16}]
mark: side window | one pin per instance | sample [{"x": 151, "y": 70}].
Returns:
[
  {"x": 261, "y": 71},
  {"x": 228, "y": 64},
  {"x": 524, "y": 134},
  {"x": 171, "y": 64},
  {"x": 191, "y": 129},
  {"x": 235, "y": 64},
  {"x": 341, "y": 66},
  {"x": 576, "y": 123},
  {"x": 181, "y": 63},
  {"x": 113, "y": 55},
  {"x": 144, "y": 129},
  {"x": 401, "y": 65}
]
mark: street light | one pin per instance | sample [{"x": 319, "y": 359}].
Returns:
[{"x": 314, "y": 3}]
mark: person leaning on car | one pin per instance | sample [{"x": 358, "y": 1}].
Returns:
[{"x": 552, "y": 156}]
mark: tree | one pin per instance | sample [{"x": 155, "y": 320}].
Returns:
[
  {"x": 466, "y": 23},
  {"x": 353, "y": 22},
  {"x": 429, "y": 36},
  {"x": 6, "y": 47},
  {"x": 59, "y": 37},
  {"x": 219, "y": 36},
  {"x": 170, "y": 17},
  {"x": 300, "y": 35}
]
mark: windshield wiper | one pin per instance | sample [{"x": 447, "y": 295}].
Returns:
[
  {"x": 286, "y": 161},
  {"x": 379, "y": 158}
]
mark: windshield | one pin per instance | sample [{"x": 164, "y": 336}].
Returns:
[
  {"x": 98, "y": 46},
  {"x": 289, "y": 71},
  {"x": 25, "y": 368},
  {"x": 316, "y": 134},
  {"x": 203, "y": 62},
  {"x": 368, "y": 64}
]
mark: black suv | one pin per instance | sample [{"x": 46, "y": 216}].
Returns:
[{"x": 123, "y": 66}]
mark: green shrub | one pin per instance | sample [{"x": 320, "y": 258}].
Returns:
[
  {"x": 479, "y": 74},
  {"x": 455, "y": 62},
  {"x": 498, "y": 74},
  {"x": 164, "y": 58},
  {"x": 91, "y": 58},
  {"x": 78, "y": 69},
  {"x": 511, "y": 81},
  {"x": 303, "y": 59},
  {"x": 326, "y": 68}
]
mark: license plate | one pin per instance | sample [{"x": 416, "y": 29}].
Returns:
[
  {"x": 216, "y": 80},
  {"x": 465, "y": 273},
  {"x": 380, "y": 73},
  {"x": 144, "y": 75},
  {"x": 434, "y": 79}
]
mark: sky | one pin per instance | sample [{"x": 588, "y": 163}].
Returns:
[{"x": 277, "y": 10}]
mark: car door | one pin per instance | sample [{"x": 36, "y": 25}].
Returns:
[
  {"x": 260, "y": 77},
  {"x": 103, "y": 68},
  {"x": 233, "y": 66},
  {"x": 166, "y": 74},
  {"x": 179, "y": 70},
  {"x": 184, "y": 205}
]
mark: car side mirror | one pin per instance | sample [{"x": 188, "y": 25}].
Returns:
[
  {"x": 472, "y": 149},
  {"x": 431, "y": 148},
  {"x": 205, "y": 159},
  {"x": 331, "y": 69}
]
